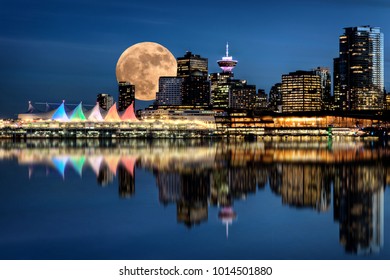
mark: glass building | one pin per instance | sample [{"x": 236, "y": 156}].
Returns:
[
  {"x": 170, "y": 90},
  {"x": 359, "y": 69},
  {"x": 196, "y": 87},
  {"x": 126, "y": 95},
  {"x": 275, "y": 98},
  {"x": 105, "y": 101},
  {"x": 301, "y": 92}
]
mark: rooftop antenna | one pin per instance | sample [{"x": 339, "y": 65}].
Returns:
[{"x": 227, "y": 49}]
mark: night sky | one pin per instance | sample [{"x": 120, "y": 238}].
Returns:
[{"x": 68, "y": 49}]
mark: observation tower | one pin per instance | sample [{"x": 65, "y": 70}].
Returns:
[{"x": 227, "y": 63}]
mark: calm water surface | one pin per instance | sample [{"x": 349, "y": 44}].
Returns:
[{"x": 194, "y": 200}]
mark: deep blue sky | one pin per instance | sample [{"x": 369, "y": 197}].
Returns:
[{"x": 68, "y": 49}]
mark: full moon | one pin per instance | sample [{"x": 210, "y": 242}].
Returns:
[{"x": 142, "y": 65}]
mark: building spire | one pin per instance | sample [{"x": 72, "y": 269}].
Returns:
[{"x": 227, "y": 49}]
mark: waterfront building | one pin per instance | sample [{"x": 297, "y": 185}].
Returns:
[
  {"x": 126, "y": 95},
  {"x": 301, "y": 92},
  {"x": 196, "y": 87},
  {"x": 275, "y": 98},
  {"x": 242, "y": 95},
  {"x": 220, "y": 89},
  {"x": 170, "y": 91},
  {"x": 221, "y": 85},
  {"x": 326, "y": 84},
  {"x": 359, "y": 69},
  {"x": 261, "y": 100},
  {"x": 387, "y": 104},
  {"x": 227, "y": 92},
  {"x": 105, "y": 101}
]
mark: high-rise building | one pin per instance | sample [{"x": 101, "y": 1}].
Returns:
[
  {"x": 227, "y": 92},
  {"x": 275, "y": 98},
  {"x": 105, "y": 101},
  {"x": 359, "y": 69},
  {"x": 326, "y": 84},
  {"x": 220, "y": 89},
  {"x": 261, "y": 100},
  {"x": 301, "y": 92},
  {"x": 196, "y": 87},
  {"x": 242, "y": 95},
  {"x": 126, "y": 95},
  {"x": 170, "y": 90}
]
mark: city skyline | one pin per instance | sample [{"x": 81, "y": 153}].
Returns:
[{"x": 90, "y": 43}]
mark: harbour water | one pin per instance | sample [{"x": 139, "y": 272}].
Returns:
[{"x": 194, "y": 199}]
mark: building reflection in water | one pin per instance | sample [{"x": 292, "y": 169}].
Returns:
[{"x": 195, "y": 176}]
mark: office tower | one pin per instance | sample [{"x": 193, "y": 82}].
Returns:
[
  {"x": 220, "y": 89},
  {"x": 326, "y": 83},
  {"x": 196, "y": 87},
  {"x": 359, "y": 69},
  {"x": 126, "y": 95},
  {"x": 242, "y": 95},
  {"x": 170, "y": 90},
  {"x": 301, "y": 92},
  {"x": 275, "y": 98},
  {"x": 261, "y": 100},
  {"x": 220, "y": 82},
  {"x": 105, "y": 101}
]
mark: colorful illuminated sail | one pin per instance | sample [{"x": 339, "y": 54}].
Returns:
[
  {"x": 128, "y": 114},
  {"x": 112, "y": 115},
  {"x": 94, "y": 114},
  {"x": 77, "y": 114},
  {"x": 60, "y": 114}
]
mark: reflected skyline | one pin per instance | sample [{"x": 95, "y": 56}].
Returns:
[{"x": 346, "y": 178}]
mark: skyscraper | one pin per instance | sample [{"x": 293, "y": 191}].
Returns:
[
  {"x": 242, "y": 95},
  {"x": 170, "y": 90},
  {"x": 126, "y": 95},
  {"x": 227, "y": 92},
  {"x": 196, "y": 87},
  {"x": 105, "y": 101},
  {"x": 324, "y": 74},
  {"x": 275, "y": 98},
  {"x": 359, "y": 69},
  {"x": 301, "y": 92}
]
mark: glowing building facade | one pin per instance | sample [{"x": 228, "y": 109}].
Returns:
[
  {"x": 242, "y": 95},
  {"x": 359, "y": 69},
  {"x": 275, "y": 98},
  {"x": 170, "y": 91},
  {"x": 227, "y": 92},
  {"x": 301, "y": 92},
  {"x": 126, "y": 95}
]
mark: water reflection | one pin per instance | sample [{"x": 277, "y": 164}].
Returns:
[{"x": 196, "y": 175}]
